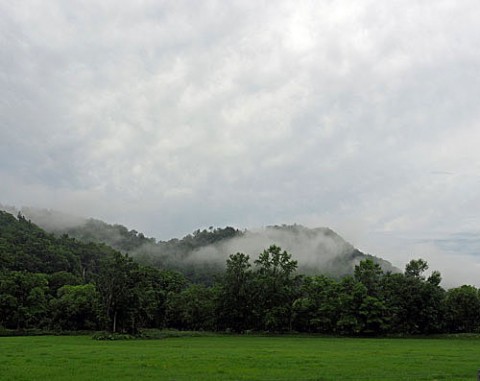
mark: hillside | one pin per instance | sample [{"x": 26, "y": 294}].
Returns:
[
  {"x": 60, "y": 283},
  {"x": 57, "y": 282},
  {"x": 26, "y": 247},
  {"x": 202, "y": 254}
]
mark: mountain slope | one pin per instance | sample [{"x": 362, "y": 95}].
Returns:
[
  {"x": 26, "y": 247},
  {"x": 202, "y": 254}
]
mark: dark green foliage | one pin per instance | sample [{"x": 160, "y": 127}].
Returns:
[
  {"x": 75, "y": 308},
  {"x": 23, "y": 302},
  {"x": 275, "y": 290},
  {"x": 62, "y": 278},
  {"x": 462, "y": 306},
  {"x": 62, "y": 283},
  {"x": 416, "y": 305},
  {"x": 235, "y": 304},
  {"x": 416, "y": 268},
  {"x": 59, "y": 283},
  {"x": 26, "y": 247},
  {"x": 192, "y": 308},
  {"x": 111, "y": 336},
  {"x": 152, "y": 290},
  {"x": 316, "y": 308}
]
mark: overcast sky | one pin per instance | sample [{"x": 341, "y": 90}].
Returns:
[{"x": 168, "y": 116}]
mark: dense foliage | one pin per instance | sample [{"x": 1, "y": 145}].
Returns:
[{"x": 59, "y": 283}]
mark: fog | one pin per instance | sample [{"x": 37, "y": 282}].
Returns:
[
  {"x": 455, "y": 256},
  {"x": 311, "y": 248},
  {"x": 457, "y": 260}
]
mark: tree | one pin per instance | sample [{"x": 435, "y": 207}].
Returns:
[
  {"x": 235, "y": 294},
  {"x": 372, "y": 311},
  {"x": 275, "y": 289},
  {"x": 192, "y": 309},
  {"x": 76, "y": 307},
  {"x": 463, "y": 309},
  {"x": 315, "y": 310},
  {"x": 351, "y": 295},
  {"x": 60, "y": 279},
  {"x": 23, "y": 302},
  {"x": 370, "y": 275},
  {"x": 152, "y": 288},
  {"x": 416, "y": 304},
  {"x": 115, "y": 285},
  {"x": 415, "y": 268}
]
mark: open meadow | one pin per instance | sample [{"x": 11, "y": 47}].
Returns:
[{"x": 238, "y": 358}]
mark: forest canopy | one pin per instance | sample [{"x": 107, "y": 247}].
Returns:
[{"x": 59, "y": 283}]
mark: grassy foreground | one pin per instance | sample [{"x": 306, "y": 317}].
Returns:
[{"x": 238, "y": 358}]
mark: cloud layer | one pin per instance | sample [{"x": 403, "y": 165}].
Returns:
[{"x": 170, "y": 116}]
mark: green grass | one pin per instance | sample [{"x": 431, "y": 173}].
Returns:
[{"x": 238, "y": 358}]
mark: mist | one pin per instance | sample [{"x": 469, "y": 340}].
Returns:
[
  {"x": 48, "y": 219},
  {"x": 311, "y": 248},
  {"x": 457, "y": 259},
  {"x": 316, "y": 250}
]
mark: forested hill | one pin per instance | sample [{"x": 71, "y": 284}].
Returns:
[
  {"x": 26, "y": 247},
  {"x": 58, "y": 283},
  {"x": 202, "y": 254}
]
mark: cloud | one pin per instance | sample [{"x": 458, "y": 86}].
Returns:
[{"x": 170, "y": 116}]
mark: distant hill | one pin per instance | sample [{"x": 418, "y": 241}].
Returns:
[
  {"x": 26, "y": 247},
  {"x": 202, "y": 254}
]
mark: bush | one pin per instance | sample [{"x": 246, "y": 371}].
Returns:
[{"x": 112, "y": 336}]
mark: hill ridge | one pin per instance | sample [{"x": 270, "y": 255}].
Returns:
[{"x": 201, "y": 254}]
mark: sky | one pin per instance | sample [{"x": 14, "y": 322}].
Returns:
[{"x": 169, "y": 116}]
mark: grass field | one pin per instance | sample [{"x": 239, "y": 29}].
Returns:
[{"x": 238, "y": 358}]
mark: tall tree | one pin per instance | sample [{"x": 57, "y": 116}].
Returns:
[
  {"x": 370, "y": 275},
  {"x": 235, "y": 294},
  {"x": 115, "y": 285},
  {"x": 416, "y": 303},
  {"x": 275, "y": 289}
]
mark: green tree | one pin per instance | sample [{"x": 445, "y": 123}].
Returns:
[
  {"x": 152, "y": 288},
  {"x": 315, "y": 310},
  {"x": 276, "y": 288},
  {"x": 76, "y": 307},
  {"x": 235, "y": 294},
  {"x": 463, "y": 309},
  {"x": 60, "y": 279},
  {"x": 373, "y": 311},
  {"x": 351, "y": 296},
  {"x": 115, "y": 284},
  {"x": 193, "y": 308},
  {"x": 415, "y": 268},
  {"x": 370, "y": 275},
  {"x": 415, "y": 304},
  {"x": 23, "y": 302}
]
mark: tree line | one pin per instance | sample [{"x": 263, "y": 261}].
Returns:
[{"x": 61, "y": 284}]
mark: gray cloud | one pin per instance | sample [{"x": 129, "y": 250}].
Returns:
[{"x": 169, "y": 116}]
